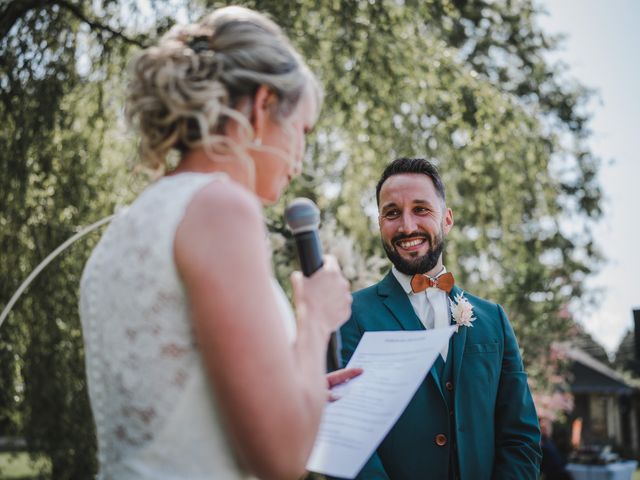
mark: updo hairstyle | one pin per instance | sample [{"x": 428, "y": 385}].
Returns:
[{"x": 183, "y": 90}]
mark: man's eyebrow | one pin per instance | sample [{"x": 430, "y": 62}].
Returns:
[
  {"x": 417, "y": 201},
  {"x": 388, "y": 205}
]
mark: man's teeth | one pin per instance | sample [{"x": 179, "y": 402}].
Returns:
[{"x": 411, "y": 243}]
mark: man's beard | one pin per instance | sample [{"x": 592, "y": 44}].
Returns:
[{"x": 421, "y": 264}]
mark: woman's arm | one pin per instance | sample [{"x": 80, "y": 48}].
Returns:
[{"x": 270, "y": 395}]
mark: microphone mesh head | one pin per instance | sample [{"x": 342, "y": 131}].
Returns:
[{"x": 302, "y": 215}]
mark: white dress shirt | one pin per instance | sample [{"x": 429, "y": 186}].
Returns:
[{"x": 431, "y": 306}]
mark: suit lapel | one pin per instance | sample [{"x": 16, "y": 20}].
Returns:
[
  {"x": 396, "y": 300},
  {"x": 436, "y": 377},
  {"x": 458, "y": 342}
]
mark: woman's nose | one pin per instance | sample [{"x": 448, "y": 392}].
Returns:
[{"x": 296, "y": 168}]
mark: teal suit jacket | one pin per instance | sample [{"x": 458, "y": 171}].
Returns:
[{"x": 496, "y": 427}]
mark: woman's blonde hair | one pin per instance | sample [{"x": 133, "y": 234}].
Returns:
[{"x": 183, "y": 90}]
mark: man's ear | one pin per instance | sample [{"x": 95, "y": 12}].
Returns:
[
  {"x": 448, "y": 220},
  {"x": 260, "y": 110}
]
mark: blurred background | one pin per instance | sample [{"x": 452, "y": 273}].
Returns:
[{"x": 528, "y": 107}]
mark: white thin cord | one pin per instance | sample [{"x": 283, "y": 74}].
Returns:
[{"x": 47, "y": 260}]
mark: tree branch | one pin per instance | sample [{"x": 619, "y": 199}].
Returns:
[
  {"x": 77, "y": 12},
  {"x": 13, "y": 10}
]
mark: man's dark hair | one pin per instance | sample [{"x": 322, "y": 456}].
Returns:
[{"x": 412, "y": 165}]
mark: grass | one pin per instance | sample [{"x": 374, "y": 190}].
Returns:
[{"x": 20, "y": 465}]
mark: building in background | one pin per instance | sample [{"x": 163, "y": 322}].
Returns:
[{"x": 606, "y": 408}]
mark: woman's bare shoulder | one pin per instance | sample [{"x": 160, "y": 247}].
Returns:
[
  {"x": 222, "y": 223},
  {"x": 224, "y": 200}
]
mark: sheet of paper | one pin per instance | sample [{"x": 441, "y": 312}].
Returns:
[{"x": 395, "y": 364}]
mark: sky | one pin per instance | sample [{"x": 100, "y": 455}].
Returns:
[{"x": 602, "y": 52}]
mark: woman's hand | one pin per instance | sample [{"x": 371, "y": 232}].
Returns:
[
  {"x": 324, "y": 297},
  {"x": 339, "y": 377}
]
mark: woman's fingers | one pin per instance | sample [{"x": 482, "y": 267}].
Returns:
[
  {"x": 342, "y": 375},
  {"x": 339, "y": 377}
]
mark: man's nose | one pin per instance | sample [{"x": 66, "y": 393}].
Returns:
[{"x": 408, "y": 223}]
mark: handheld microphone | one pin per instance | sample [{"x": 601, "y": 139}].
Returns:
[{"x": 302, "y": 216}]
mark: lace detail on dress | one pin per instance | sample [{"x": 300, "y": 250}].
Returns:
[{"x": 140, "y": 349}]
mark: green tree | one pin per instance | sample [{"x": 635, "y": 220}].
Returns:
[
  {"x": 466, "y": 84},
  {"x": 462, "y": 82},
  {"x": 57, "y": 175}
]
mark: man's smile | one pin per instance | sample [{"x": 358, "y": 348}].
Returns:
[{"x": 410, "y": 243}]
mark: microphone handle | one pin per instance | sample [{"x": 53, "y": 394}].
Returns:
[{"x": 310, "y": 255}]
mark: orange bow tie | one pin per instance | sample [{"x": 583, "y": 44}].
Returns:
[{"x": 420, "y": 282}]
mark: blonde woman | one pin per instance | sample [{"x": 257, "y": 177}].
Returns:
[{"x": 196, "y": 365}]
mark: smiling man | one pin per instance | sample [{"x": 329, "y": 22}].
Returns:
[{"x": 473, "y": 417}]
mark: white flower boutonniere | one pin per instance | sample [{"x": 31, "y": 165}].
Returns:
[{"x": 462, "y": 311}]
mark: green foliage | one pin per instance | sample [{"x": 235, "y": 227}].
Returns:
[
  {"x": 56, "y": 178},
  {"x": 465, "y": 84},
  {"x": 462, "y": 82},
  {"x": 22, "y": 466}
]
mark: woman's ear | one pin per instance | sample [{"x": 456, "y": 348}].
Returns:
[{"x": 260, "y": 113}]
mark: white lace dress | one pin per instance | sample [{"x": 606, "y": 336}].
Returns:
[{"x": 154, "y": 409}]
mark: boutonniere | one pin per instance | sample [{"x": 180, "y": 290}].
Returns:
[{"x": 462, "y": 311}]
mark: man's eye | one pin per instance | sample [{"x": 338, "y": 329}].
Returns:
[
  {"x": 421, "y": 210},
  {"x": 391, "y": 214}
]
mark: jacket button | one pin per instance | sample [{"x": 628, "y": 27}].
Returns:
[
  {"x": 448, "y": 386},
  {"x": 441, "y": 440}
]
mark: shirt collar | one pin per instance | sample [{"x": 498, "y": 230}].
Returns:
[{"x": 405, "y": 280}]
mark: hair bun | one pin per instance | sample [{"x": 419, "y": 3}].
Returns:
[
  {"x": 199, "y": 44},
  {"x": 183, "y": 90}
]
